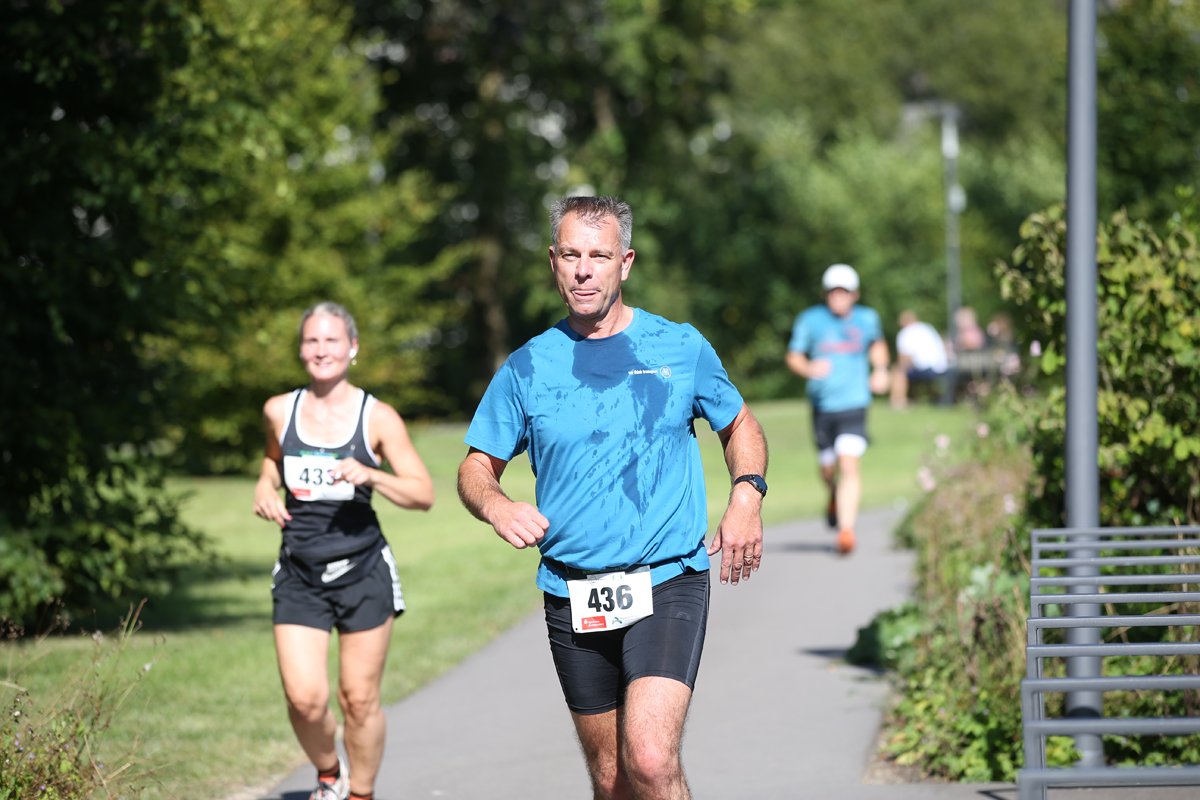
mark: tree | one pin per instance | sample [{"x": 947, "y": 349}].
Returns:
[
  {"x": 1148, "y": 345},
  {"x": 1148, "y": 105},
  {"x": 518, "y": 102},
  {"x": 282, "y": 200},
  {"x": 186, "y": 177},
  {"x": 834, "y": 107},
  {"x": 79, "y": 409}
]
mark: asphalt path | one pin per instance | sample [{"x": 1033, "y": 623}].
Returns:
[{"x": 776, "y": 713}]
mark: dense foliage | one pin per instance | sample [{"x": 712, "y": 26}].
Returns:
[
  {"x": 80, "y": 511},
  {"x": 185, "y": 176},
  {"x": 284, "y": 200},
  {"x": 1148, "y": 104},
  {"x": 757, "y": 143},
  {"x": 967, "y": 618},
  {"x": 1148, "y": 345},
  {"x": 959, "y": 648}
]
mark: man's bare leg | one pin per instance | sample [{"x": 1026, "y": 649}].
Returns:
[
  {"x": 361, "y": 659},
  {"x": 302, "y": 654},
  {"x": 633, "y": 753},
  {"x": 651, "y": 730},
  {"x": 829, "y": 475},
  {"x": 849, "y": 491},
  {"x": 899, "y": 396},
  {"x": 598, "y": 738}
]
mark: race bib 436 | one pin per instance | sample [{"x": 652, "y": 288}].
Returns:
[{"x": 611, "y": 600}]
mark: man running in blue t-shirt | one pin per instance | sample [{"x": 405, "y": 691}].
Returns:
[
  {"x": 838, "y": 347},
  {"x": 605, "y": 403}
]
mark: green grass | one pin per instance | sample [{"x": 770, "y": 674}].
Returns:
[{"x": 210, "y": 712}]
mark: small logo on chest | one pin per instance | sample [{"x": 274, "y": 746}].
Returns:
[{"x": 663, "y": 371}]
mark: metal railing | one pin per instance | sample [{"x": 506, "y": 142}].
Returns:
[{"x": 1124, "y": 545}]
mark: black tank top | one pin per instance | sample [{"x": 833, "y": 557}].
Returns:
[{"x": 333, "y": 537}]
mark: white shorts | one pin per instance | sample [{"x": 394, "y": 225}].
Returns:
[{"x": 846, "y": 444}]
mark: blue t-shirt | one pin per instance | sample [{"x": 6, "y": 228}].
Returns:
[
  {"x": 608, "y": 424},
  {"x": 844, "y": 341}
]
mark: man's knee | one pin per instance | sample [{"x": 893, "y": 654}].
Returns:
[
  {"x": 651, "y": 762},
  {"x": 848, "y": 466}
]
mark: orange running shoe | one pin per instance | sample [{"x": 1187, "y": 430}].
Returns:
[{"x": 845, "y": 541}]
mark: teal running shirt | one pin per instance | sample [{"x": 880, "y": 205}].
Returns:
[
  {"x": 608, "y": 424},
  {"x": 844, "y": 341}
]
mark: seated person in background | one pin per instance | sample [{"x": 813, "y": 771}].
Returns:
[
  {"x": 968, "y": 334},
  {"x": 921, "y": 357}
]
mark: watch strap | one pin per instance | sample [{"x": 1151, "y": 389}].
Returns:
[{"x": 757, "y": 481}]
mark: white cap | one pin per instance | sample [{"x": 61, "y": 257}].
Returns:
[{"x": 840, "y": 276}]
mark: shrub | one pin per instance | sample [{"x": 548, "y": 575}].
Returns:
[
  {"x": 94, "y": 542},
  {"x": 52, "y": 748},
  {"x": 958, "y": 712},
  {"x": 958, "y": 647},
  {"x": 1148, "y": 344}
]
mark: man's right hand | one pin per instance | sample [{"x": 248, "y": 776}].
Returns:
[
  {"x": 819, "y": 369},
  {"x": 519, "y": 524}
]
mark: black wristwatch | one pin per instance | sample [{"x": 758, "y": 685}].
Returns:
[{"x": 754, "y": 480}]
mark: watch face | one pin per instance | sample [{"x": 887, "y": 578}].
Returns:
[{"x": 756, "y": 480}]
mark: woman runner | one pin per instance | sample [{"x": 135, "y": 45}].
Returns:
[{"x": 325, "y": 446}]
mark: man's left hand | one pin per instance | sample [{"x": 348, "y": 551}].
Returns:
[
  {"x": 879, "y": 380},
  {"x": 739, "y": 536}
]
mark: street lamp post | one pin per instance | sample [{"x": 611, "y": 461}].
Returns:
[
  {"x": 956, "y": 202},
  {"x": 1083, "y": 439}
]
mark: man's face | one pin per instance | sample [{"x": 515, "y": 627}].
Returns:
[
  {"x": 589, "y": 266},
  {"x": 840, "y": 301}
]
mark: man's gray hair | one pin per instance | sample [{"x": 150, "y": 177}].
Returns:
[
  {"x": 592, "y": 210},
  {"x": 328, "y": 309}
]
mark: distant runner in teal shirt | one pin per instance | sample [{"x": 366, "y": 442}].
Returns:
[
  {"x": 839, "y": 349},
  {"x": 605, "y": 403}
]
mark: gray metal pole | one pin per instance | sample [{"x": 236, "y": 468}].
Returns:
[
  {"x": 955, "y": 203},
  {"x": 1082, "y": 435}
]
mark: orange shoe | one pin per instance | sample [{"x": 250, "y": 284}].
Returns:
[{"x": 845, "y": 541}]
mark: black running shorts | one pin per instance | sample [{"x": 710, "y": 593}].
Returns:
[
  {"x": 594, "y": 668},
  {"x": 360, "y": 606},
  {"x": 827, "y": 425}
]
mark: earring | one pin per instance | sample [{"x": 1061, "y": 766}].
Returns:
[{"x": 354, "y": 362}]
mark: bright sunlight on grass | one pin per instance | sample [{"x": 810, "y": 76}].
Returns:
[{"x": 210, "y": 713}]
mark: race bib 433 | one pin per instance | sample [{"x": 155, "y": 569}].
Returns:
[
  {"x": 311, "y": 477},
  {"x": 610, "y": 600}
]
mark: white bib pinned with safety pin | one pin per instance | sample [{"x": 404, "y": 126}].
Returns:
[
  {"x": 609, "y": 601},
  {"x": 314, "y": 476}
]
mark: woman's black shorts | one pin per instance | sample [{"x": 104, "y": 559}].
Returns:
[
  {"x": 595, "y": 668},
  {"x": 360, "y": 606}
]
